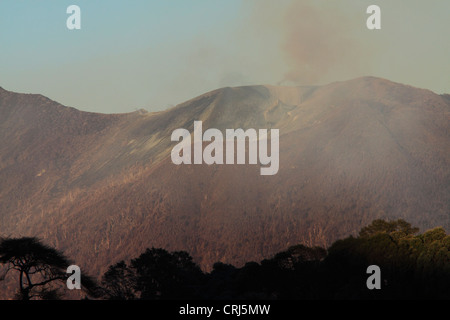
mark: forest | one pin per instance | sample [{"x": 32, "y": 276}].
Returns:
[{"x": 413, "y": 266}]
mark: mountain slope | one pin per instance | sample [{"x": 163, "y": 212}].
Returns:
[{"x": 103, "y": 187}]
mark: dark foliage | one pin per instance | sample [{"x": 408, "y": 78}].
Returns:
[
  {"x": 118, "y": 282},
  {"x": 41, "y": 269},
  {"x": 155, "y": 274},
  {"x": 411, "y": 267}
]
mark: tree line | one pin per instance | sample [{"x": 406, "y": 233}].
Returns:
[{"x": 413, "y": 265}]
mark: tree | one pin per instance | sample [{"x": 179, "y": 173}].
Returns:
[
  {"x": 39, "y": 266},
  {"x": 164, "y": 275},
  {"x": 119, "y": 282},
  {"x": 299, "y": 254}
]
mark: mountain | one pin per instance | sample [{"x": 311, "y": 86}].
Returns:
[{"x": 103, "y": 187}]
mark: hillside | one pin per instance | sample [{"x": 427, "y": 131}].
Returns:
[{"x": 103, "y": 188}]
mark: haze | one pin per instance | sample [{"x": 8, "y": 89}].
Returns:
[{"x": 155, "y": 54}]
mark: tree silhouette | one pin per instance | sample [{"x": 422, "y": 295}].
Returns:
[
  {"x": 119, "y": 282},
  {"x": 39, "y": 266},
  {"x": 164, "y": 275},
  {"x": 413, "y": 266}
]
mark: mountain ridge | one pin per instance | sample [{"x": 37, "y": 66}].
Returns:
[{"x": 102, "y": 187}]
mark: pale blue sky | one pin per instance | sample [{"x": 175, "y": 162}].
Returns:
[{"x": 154, "y": 54}]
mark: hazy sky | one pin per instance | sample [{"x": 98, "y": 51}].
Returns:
[{"x": 154, "y": 54}]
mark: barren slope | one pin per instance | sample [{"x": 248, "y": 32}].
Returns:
[{"x": 103, "y": 188}]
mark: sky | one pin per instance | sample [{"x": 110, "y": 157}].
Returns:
[{"x": 154, "y": 54}]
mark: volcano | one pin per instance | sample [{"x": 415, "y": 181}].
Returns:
[{"x": 102, "y": 187}]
